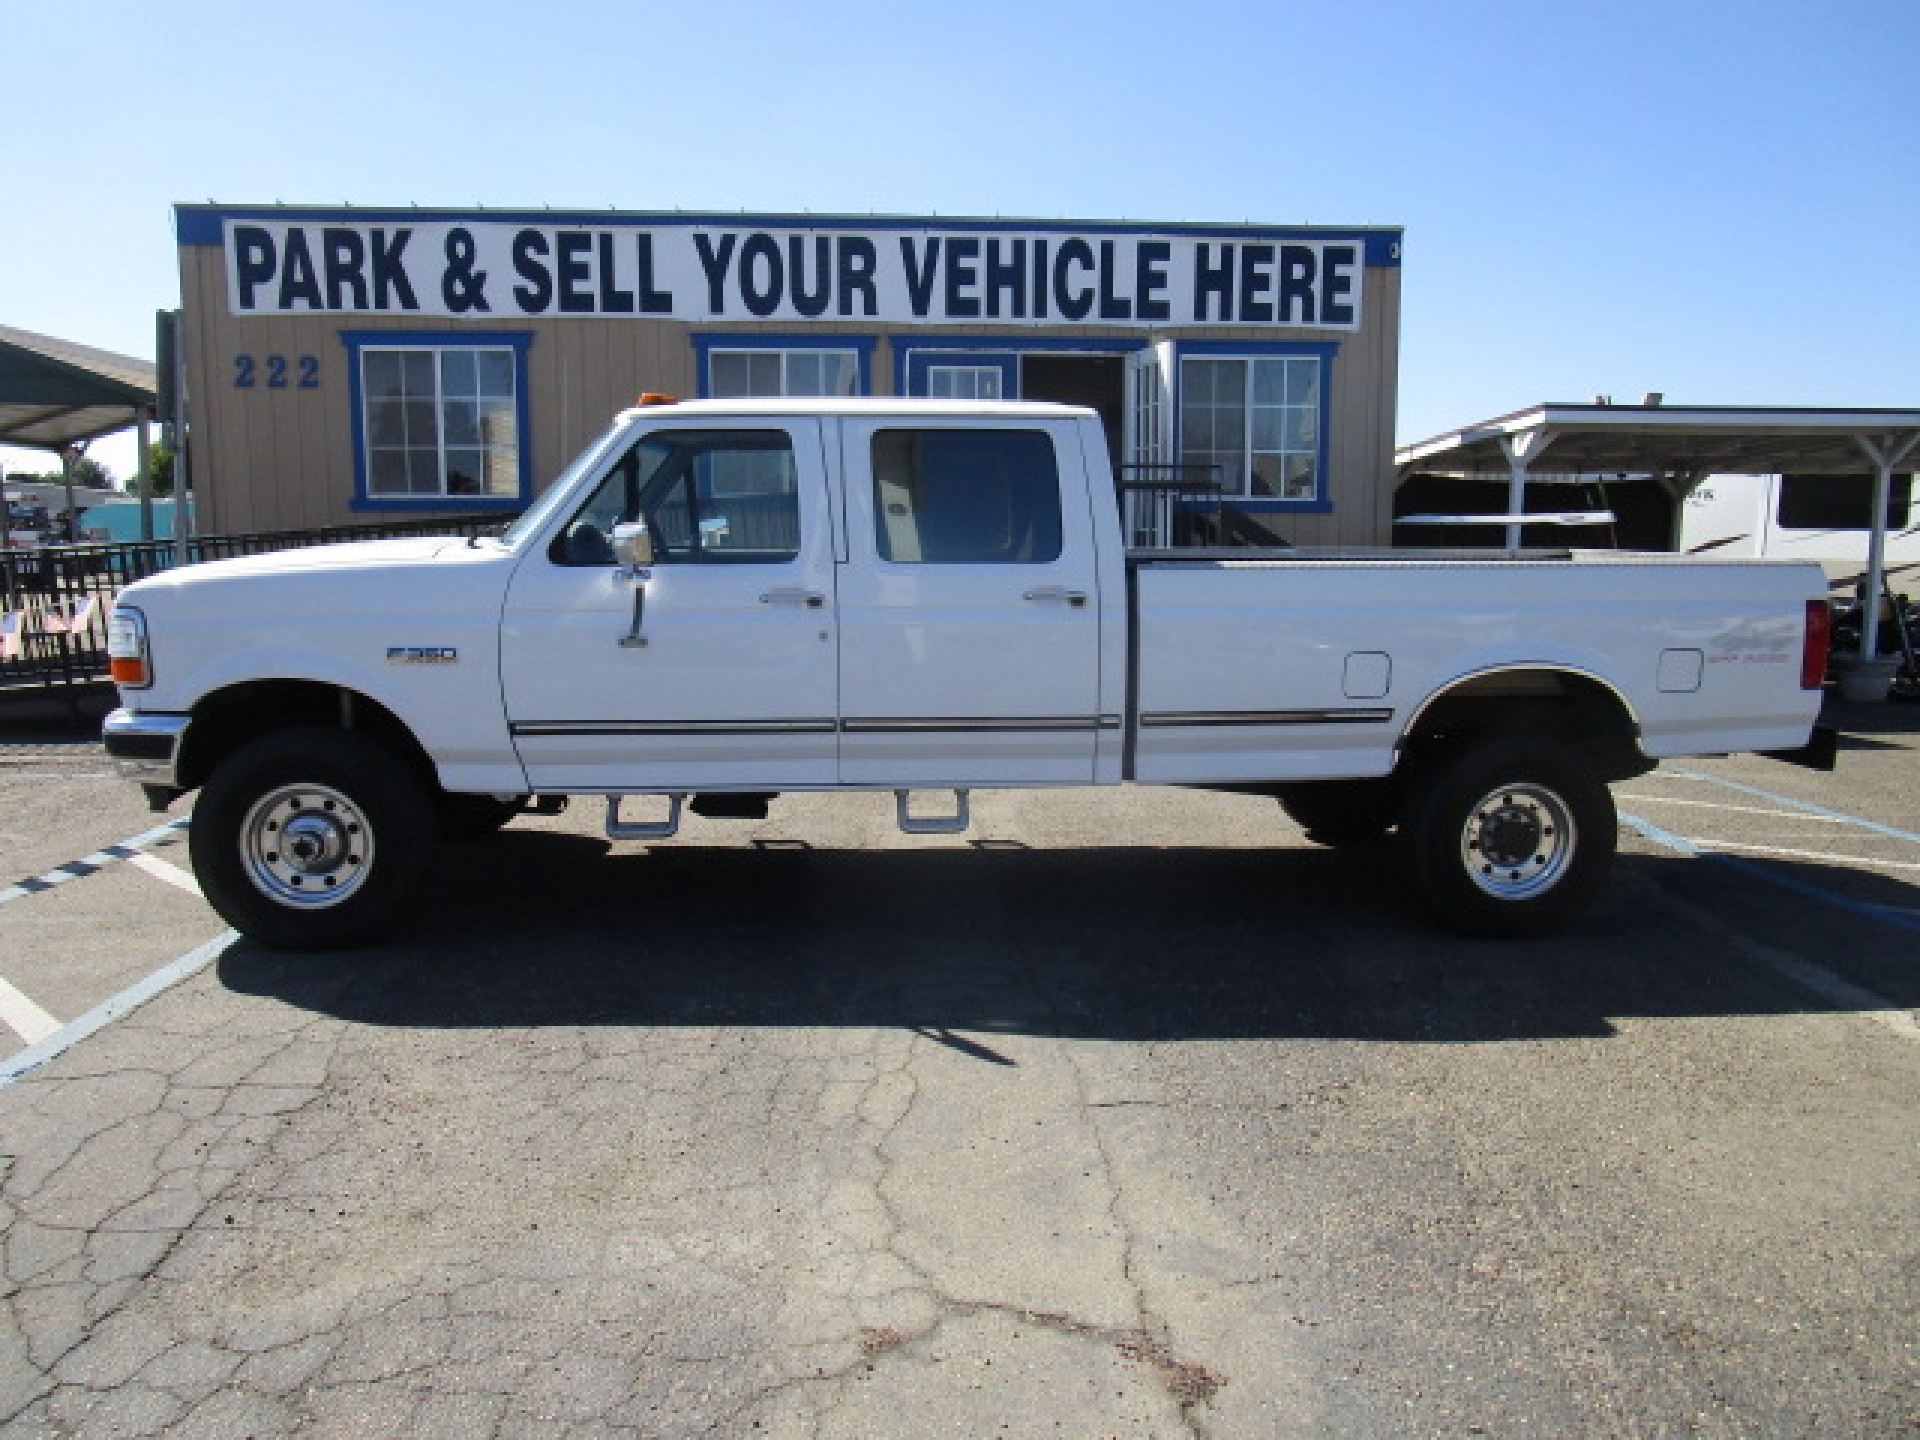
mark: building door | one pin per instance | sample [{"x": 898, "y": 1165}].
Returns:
[
  {"x": 1146, "y": 511},
  {"x": 1096, "y": 381}
]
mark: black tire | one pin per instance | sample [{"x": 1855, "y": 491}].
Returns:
[
  {"x": 362, "y": 823},
  {"x": 475, "y": 817},
  {"x": 1512, "y": 836},
  {"x": 1341, "y": 813}
]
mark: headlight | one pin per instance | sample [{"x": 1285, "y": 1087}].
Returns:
[{"x": 127, "y": 659}]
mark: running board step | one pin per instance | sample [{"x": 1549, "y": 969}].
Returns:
[
  {"x": 618, "y": 829},
  {"x": 957, "y": 823}
]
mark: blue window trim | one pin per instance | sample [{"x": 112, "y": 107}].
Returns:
[
  {"x": 913, "y": 353},
  {"x": 519, "y": 341},
  {"x": 707, "y": 341},
  {"x": 1325, "y": 351}
]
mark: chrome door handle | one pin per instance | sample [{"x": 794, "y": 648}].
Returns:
[
  {"x": 812, "y": 599},
  {"x": 1075, "y": 598}
]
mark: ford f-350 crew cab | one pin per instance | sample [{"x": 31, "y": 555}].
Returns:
[{"x": 722, "y": 600}]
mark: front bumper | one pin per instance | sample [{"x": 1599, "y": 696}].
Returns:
[{"x": 146, "y": 747}]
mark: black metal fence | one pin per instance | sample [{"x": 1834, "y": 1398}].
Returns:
[
  {"x": 54, "y": 600},
  {"x": 1168, "y": 506}
]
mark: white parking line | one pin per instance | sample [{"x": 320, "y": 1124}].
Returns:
[
  {"x": 125, "y": 1003},
  {"x": 23, "y": 1017},
  {"x": 161, "y": 870},
  {"x": 1815, "y": 978},
  {"x": 18, "y": 1011},
  {"x": 1641, "y": 798},
  {"x": 92, "y": 864},
  {"x": 1804, "y": 807},
  {"x": 1705, "y": 850},
  {"x": 1856, "y": 862}
]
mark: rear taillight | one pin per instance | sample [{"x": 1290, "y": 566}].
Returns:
[
  {"x": 1814, "y": 647},
  {"x": 127, "y": 660}
]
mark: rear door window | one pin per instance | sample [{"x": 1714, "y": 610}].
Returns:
[{"x": 966, "y": 497}]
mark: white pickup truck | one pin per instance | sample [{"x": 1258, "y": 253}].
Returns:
[{"x": 723, "y": 600}]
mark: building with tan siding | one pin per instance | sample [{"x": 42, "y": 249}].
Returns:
[{"x": 352, "y": 364}]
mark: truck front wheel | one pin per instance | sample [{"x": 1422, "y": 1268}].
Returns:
[
  {"x": 312, "y": 839},
  {"x": 1512, "y": 836}
]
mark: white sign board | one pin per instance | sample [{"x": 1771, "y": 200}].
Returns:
[{"x": 487, "y": 270}]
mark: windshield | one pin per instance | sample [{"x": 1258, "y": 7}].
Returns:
[{"x": 556, "y": 493}]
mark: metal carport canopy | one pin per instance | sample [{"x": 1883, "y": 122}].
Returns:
[
  {"x": 55, "y": 393},
  {"x": 1682, "y": 443}
]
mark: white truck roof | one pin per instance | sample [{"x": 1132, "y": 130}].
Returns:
[{"x": 860, "y": 405}]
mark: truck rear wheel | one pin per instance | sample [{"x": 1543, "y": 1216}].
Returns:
[
  {"x": 1512, "y": 836},
  {"x": 312, "y": 839}
]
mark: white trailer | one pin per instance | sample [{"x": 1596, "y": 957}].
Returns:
[{"x": 1823, "y": 518}]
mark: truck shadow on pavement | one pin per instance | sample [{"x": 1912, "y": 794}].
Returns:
[{"x": 536, "y": 929}]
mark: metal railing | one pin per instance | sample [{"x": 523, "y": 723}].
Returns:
[
  {"x": 54, "y": 600},
  {"x": 1174, "y": 506}
]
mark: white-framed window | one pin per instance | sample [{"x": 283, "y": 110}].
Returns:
[
  {"x": 733, "y": 372},
  {"x": 964, "y": 382},
  {"x": 439, "y": 422},
  {"x": 1257, "y": 420}
]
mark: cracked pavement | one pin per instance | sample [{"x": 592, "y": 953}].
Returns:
[
  {"x": 298, "y": 1226},
  {"x": 802, "y": 1129}
]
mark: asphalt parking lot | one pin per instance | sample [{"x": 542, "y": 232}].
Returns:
[{"x": 1126, "y": 1115}]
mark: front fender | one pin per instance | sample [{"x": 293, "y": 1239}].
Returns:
[{"x": 447, "y": 695}]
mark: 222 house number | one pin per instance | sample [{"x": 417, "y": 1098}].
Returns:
[{"x": 276, "y": 372}]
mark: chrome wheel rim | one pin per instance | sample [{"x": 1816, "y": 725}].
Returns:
[
  {"x": 1518, "y": 842},
  {"x": 306, "y": 846}
]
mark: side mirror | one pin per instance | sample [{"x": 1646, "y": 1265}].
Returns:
[{"x": 633, "y": 545}]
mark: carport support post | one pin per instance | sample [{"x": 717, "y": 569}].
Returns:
[
  {"x": 182, "y": 551},
  {"x": 1521, "y": 450},
  {"x": 1885, "y": 453},
  {"x": 143, "y": 424},
  {"x": 178, "y": 443},
  {"x": 69, "y": 456}
]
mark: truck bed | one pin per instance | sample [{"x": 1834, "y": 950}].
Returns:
[{"x": 1315, "y": 663}]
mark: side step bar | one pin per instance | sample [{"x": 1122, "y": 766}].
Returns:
[
  {"x": 618, "y": 829},
  {"x": 958, "y": 823}
]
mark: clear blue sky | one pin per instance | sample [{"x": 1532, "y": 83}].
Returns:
[{"x": 1717, "y": 200}]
